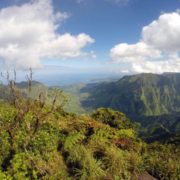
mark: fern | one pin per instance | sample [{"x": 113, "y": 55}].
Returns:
[
  {"x": 101, "y": 137},
  {"x": 72, "y": 140},
  {"x": 90, "y": 168},
  {"x": 91, "y": 171}
]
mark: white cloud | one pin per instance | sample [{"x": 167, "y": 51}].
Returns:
[
  {"x": 164, "y": 33},
  {"x": 128, "y": 52},
  {"x": 29, "y": 34},
  {"x": 171, "y": 64},
  {"x": 157, "y": 51}
]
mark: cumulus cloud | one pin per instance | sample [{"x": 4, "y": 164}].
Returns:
[
  {"x": 164, "y": 33},
  {"x": 171, "y": 64},
  {"x": 28, "y": 34},
  {"x": 157, "y": 50},
  {"x": 128, "y": 52}
]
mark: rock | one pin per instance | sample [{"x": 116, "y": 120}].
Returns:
[{"x": 146, "y": 176}]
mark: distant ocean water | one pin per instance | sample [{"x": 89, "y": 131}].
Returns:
[
  {"x": 67, "y": 79},
  {"x": 62, "y": 76}
]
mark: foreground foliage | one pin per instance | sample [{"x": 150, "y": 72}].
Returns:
[
  {"x": 40, "y": 141},
  {"x": 58, "y": 145}
]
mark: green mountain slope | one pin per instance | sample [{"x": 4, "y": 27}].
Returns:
[
  {"x": 73, "y": 103},
  {"x": 39, "y": 140},
  {"x": 151, "y": 99},
  {"x": 142, "y": 95}
]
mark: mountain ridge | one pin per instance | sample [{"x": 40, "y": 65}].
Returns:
[{"x": 142, "y": 94}]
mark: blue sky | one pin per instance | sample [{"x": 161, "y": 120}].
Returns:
[
  {"x": 108, "y": 36},
  {"x": 111, "y": 23}
]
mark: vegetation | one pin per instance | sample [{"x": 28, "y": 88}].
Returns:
[
  {"x": 150, "y": 99},
  {"x": 40, "y": 140},
  {"x": 142, "y": 94}
]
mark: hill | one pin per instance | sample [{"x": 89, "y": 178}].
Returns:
[
  {"x": 41, "y": 142},
  {"x": 151, "y": 99},
  {"x": 142, "y": 94}
]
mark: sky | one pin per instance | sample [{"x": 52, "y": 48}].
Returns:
[{"x": 90, "y": 36}]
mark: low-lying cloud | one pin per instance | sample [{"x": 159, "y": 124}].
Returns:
[{"x": 28, "y": 34}]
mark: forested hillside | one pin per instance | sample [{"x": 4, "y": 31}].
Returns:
[
  {"x": 137, "y": 95},
  {"x": 150, "y": 99},
  {"x": 40, "y": 140}
]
